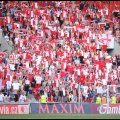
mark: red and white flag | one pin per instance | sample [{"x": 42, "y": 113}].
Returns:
[
  {"x": 74, "y": 28},
  {"x": 66, "y": 34},
  {"x": 36, "y": 5},
  {"x": 13, "y": 58},
  {"x": 80, "y": 28},
  {"x": 9, "y": 77},
  {"x": 31, "y": 14},
  {"x": 64, "y": 14},
  {"x": 40, "y": 33},
  {"x": 103, "y": 40},
  {"x": 26, "y": 64},
  {"x": 2, "y": 54},
  {"x": 20, "y": 43},
  {"x": 57, "y": 13}
]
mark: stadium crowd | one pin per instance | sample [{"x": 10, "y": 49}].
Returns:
[{"x": 57, "y": 47}]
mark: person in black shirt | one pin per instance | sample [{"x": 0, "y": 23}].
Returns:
[
  {"x": 60, "y": 95},
  {"x": 26, "y": 88},
  {"x": 16, "y": 97},
  {"x": 61, "y": 20},
  {"x": 118, "y": 61},
  {"x": 81, "y": 59},
  {"x": 33, "y": 83},
  {"x": 5, "y": 31},
  {"x": 82, "y": 4}
]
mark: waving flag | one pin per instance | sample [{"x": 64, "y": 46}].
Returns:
[
  {"x": 13, "y": 58},
  {"x": 104, "y": 39},
  {"x": 81, "y": 28}
]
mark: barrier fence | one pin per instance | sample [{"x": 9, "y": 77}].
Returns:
[{"x": 58, "y": 108}]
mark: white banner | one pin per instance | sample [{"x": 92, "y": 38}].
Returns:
[{"x": 106, "y": 40}]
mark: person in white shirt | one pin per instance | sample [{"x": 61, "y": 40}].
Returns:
[
  {"x": 27, "y": 82},
  {"x": 12, "y": 67},
  {"x": 70, "y": 97},
  {"x": 38, "y": 79},
  {"x": 1, "y": 97},
  {"x": 85, "y": 91},
  {"x": 16, "y": 86},
  {"x": 8, "y": 84},
  {"x": 22, "y": 98},
  {"x": 16, "y": 40},
  {"x": 1, "y": 84},
  {"x": 6, "y": 98}
]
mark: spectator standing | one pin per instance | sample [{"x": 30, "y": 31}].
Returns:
[
  {"x": 1, "y": 97},
  {"x": 113, "y": 99},
  {"x": 22, "y": 98},
  {"x": 98, "y": 99},
  {"x": 27, "y": 86},
  {"x": 104, "y": 99},
  {"x": 43, "y": 98}
]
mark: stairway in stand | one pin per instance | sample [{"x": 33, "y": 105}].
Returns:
[{"x": 4, "y": 45}]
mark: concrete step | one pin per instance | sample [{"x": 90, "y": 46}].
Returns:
[
  {"x": 116, "y": 49},
  {"x": 5, "y": 46}
]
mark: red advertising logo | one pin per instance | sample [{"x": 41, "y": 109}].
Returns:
[
  {"x": 23, "y": 109},
  {"x": 14, "y": 109}
]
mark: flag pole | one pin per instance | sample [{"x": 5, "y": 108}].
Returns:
[
  {"x": 79, "y": 97},
  {"x": 108, "y": 99}
]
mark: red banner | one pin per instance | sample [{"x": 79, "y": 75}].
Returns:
[{"x": 14, "y": 109}]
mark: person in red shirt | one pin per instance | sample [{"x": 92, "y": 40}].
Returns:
[
  {"x": 81, "y": 79},
  {"x": 1, "y": 74},
  {"x": 104, "y": 47},
  {"x": 63, "y": 74},
  {"x": 37, "y": 12},
  {"x": 70, "y": 68},
  {"x": 1, "y": 23},
  {"x": 1, "y": 57},
  {"x": 59, "y": 53}
]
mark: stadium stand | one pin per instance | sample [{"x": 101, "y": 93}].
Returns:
[{"x": 56, "y": 49}]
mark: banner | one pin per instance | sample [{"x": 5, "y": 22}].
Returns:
[
  {"x": 60, "y": 108},
  {"x": 94, "y": 108},
  {"x": 34, "y": 108},
  {"x": 14, "y": 109},
  {"x": 111, "y": 109},
  {"x": 74, "y": 108},
  {"x": 106, "y": 40}
]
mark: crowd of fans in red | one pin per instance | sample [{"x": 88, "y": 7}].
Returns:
[{"x": 58, "y": 45}]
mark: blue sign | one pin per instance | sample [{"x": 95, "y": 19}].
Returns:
[{"x": 60, "y": 108}]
